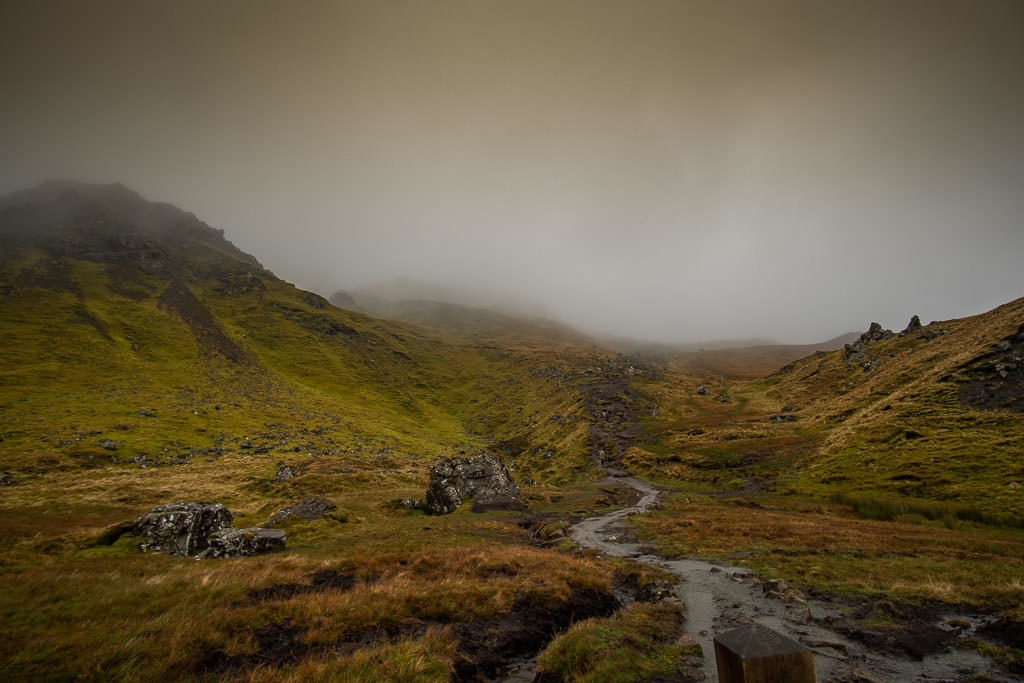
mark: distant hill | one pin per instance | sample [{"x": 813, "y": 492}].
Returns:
[
  {"x": 737, "y": 359},
  {"x": 467, "y": 323}
]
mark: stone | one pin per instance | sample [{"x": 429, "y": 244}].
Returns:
[
  {"x": 309, "y": 509},
  {"x": 481, "y": 476},
  {"x": 180, "y": 528},
  {"x": 314, "y": 300},
  {"x": 408, "y": 504},
  {"x": 913, "y": 326},
  {"x": 243, "y": 543},
  {"x": 107, "y": 444},
  {"x": 703, "y": 390},
  {"x": 284, "y": 473},
  {"x": 656, "y": 591},
  {"x": 864, "y": 676}
]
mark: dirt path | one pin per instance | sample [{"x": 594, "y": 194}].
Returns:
[{"x": 720, "y": 597}]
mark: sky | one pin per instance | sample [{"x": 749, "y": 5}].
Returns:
[{"x": 671, "y": 171}]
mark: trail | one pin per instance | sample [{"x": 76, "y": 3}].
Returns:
[{"x": 719, "y": 597}]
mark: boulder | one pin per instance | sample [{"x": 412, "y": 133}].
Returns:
[
  {"x": 180, "y": 528},
  {"x": 703, "y": 390},
  {"x": 481, "y": 476},
  {"x": 284, "y": 473},
  {"x": 309, "y": 509},
  {"x": 243, "y": 543}
]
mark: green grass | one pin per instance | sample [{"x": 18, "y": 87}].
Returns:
[{"x": 633, "y": 645}]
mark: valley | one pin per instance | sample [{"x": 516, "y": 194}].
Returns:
[{"x": 865, "y": 497}]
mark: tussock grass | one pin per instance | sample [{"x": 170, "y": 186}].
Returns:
[
  {"x": 828, "y": 547},
  {"x": 874, "y": 507},
  {"x": 636, "y": 644}
]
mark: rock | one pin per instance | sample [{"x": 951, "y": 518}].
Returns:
[
  {"x": 864, "y": 676},
  {"x": 309, "y": 509},
  {"x": 284, "y": 473},
  {"x": 913, "y": 326},
  {"x": 146, "y": 412},
  {"x": 855, "y": 352},
  {"x": 408, "y": 504},
  {"x": 5, "y": 479},
  {"x": 243, "y": 543},
  {"x": 830, "y": 643},
  {"x": 180, "y": 528},
  {"x": 107, "y": 443},
  {"x": 703, "y": 390},
  {"x": 481, "y": 476},
  {"x": 655, "y": 591},
  {"x": 314, "y": 300}
]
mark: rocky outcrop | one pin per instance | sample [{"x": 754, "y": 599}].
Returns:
[
  {"x": 243, "y": 543},
  {"x": 180, "y": 528},
  {"x": 284, "y": 473},
  {"x": 481, "y": 476},
  {"x": 913, "y": 326},
  {"x": 857, "y": 352},
  {"x": 309, "y": 509},
  {"x": 995, "y": 380}
]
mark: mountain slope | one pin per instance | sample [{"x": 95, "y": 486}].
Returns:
[
  {"x": 931, "y": 414},
  {"x": 139, "y": 321}
]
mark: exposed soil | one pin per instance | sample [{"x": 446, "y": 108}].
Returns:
[
  {"x": 488, "y": 645},
  {"x": 210, "y": 338},
  {"x": 327, "y": 579}
]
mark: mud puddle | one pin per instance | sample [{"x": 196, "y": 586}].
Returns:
[{"x": 719, "y": 597}]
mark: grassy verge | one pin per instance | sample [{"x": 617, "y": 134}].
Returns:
[{"x": 829, "y": 547}]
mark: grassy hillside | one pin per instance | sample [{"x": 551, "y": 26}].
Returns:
[{"x": 891, "y": 418}]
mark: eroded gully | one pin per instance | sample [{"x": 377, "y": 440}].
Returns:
[{"x": 719, "y": 597}]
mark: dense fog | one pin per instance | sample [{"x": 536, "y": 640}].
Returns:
[{"x": 672, "y": 171}]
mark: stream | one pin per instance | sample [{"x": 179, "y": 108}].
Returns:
[{"x": 719, "y": 597}]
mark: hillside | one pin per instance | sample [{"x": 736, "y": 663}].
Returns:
[
  {"x": 134, "y": 335},
  {"x": 464, "y": 323},
  {"x": 735, "y": 360},
  {"x": 932, "y": 414}
]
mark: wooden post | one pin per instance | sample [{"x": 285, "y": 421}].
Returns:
[{"x": 757, "y": 654}]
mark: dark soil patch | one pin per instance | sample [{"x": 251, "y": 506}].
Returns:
[
  {"x": 327, "y": 579},
  {"x": 500, "y": 505},
  {"x": 908, "y": 629},
  {"x": 1006, "y": 631},
  {"x": 276, "y": 644},
  {"x": 487, "y": 645},
  {"x": 210, "y": 338}
]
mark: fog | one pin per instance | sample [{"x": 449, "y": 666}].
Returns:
[{"x": 673, "y": 171}]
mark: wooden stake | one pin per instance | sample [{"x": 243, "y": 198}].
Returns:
[{"x": 757, "y": 654}]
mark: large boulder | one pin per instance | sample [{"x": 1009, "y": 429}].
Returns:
[
  {"x": 243, "y": 542},
  {"x": 309, "y": 509},
  {"x": 180, "y": 528},
  {"x": 481, "y": 476}
]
